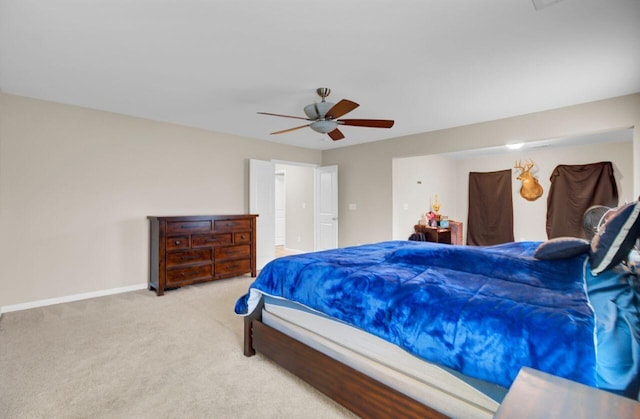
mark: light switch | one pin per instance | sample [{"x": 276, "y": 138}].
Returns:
[
  {"x": 405, "y": 207},
  {"x": 352, "y": 207}
]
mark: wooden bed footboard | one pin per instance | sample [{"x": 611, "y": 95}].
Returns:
[
  {"x": 354, "y": 390},
  {"x": 249, "y": 349}
]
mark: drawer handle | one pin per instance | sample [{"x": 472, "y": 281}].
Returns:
[
  {"x": 178, "y": 242},
  {"x": 243, "y": 237}
]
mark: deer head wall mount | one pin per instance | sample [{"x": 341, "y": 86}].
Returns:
[{"x": 531, "y": 189}]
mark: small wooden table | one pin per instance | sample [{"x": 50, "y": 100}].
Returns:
[
  {"x": 434, "y": 234},
  {"x": 536, "y": 394}
]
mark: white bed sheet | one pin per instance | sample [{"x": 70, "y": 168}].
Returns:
[{"x": 387, "y": 363}]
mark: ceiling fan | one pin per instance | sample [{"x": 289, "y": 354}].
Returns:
[{"x": 324, "y": 116}]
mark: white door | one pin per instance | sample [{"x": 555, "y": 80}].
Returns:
[
  {"x": 326, "y": 207},
  {"x": 280, "y": 208},
  {"x": 262, "y": 202}
]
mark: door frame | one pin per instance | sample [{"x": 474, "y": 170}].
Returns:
[{"x": 263, "y": 219}]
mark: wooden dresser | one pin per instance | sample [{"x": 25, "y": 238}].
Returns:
[{"x": 186, "y": 250}]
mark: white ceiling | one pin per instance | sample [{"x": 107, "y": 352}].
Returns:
[{"x": 212, "y": 64}]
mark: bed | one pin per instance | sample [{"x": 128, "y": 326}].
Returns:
[{"x": 418, "y": 329}]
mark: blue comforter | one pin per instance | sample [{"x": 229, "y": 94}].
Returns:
[{"x": 485, "y": 312}]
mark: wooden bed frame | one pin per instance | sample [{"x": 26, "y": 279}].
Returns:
[{"x": 354, "y": 390}]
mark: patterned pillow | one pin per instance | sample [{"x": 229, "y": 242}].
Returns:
[
  {"x": 615, "y": 238},
  {"x": 561, "y": 248}
]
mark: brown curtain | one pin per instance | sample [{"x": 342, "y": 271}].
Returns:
[
  {"x": 574, "y": 188},
  {"x": 490, "y": 218}
]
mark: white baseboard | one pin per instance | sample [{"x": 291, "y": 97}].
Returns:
[{"x": 70, "y": 298}]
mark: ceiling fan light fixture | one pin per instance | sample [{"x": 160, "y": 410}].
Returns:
[
  {"x": 317, "y": 110},
  {"x": 324, "y": 126}
]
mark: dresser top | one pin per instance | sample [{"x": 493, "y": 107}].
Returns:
[{"x": 200, "y": 217}]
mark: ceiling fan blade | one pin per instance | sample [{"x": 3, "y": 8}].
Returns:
[
  {"x": 371, "y": 123},
  {"x": 341, "y": 108},
  {"x": 541, "y": 4},
  {"x": 284, "y": 116},
  {"x": 336, "y": 134},
  {"x": 290, "y": 129}
]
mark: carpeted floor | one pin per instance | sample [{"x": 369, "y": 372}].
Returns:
[{"x": 135, "y": 355}]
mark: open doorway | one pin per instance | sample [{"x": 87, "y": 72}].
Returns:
[
  {"x": 417, "y": 179},
  {"x": 294, "y": 204},
  {"x": 283, "y": 194},
  {"x": 280, "y": 239}
]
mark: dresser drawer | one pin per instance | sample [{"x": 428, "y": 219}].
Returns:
[
  {"x": 210, "y": 240},
  {"x": 189, "y": 274},
  {"x": 177, "y": 242},
  {"x": 188, "y": 226},
  {"x": 229, "y": 225},
  {"x": 233, "y": 252},
  {"x": 233, "y": 267},
  {"x": 242, "y": 237},
  {"x": 188, "y": 256}
]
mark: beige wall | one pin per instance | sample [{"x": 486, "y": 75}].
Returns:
[
  {"x": 76, "y": 186},
  {"x": 366, "y": 170},
  {"x": 414, "y": 190}
]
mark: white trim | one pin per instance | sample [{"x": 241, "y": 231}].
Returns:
[
  {"x": 70, "y": 298},
  {"x": 294, "y": 163}
]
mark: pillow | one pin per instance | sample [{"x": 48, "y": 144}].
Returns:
[
  {"x": 615, "y": 238},
  {"x": 561, "y": 248}
]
